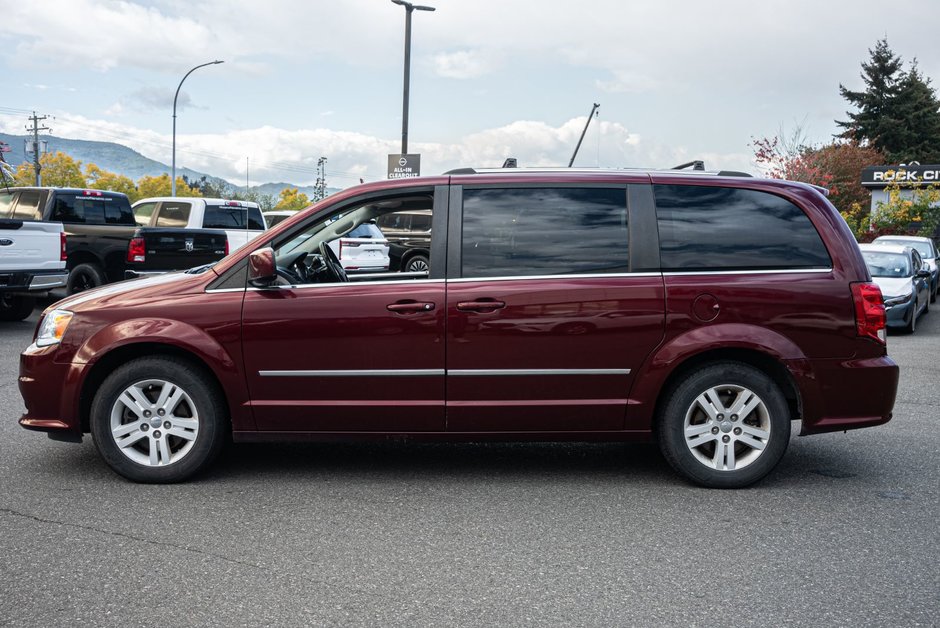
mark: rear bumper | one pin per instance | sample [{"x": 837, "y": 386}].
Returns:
[
  {"x": 32, "y": 280},
  {"x": 842, "y": 395}
]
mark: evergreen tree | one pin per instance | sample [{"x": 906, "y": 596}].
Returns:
[{"x": 898, "y": 112}]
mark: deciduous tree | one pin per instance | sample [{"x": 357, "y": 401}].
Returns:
[
  {"x": 292, "y": 198},
  {"x": 148, "y": 187},
  {"x": 57, "y": 170}
]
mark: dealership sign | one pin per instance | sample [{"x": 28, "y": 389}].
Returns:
[
  {"x": 404, "y": 166},
  {"x": 912, "y": 174}
]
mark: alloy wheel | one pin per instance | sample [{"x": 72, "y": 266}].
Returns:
[{"x": 154, "y": 422}]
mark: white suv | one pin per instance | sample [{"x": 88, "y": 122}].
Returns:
[{"x": 364, "y": 249}]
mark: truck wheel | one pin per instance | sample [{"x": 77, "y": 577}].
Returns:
[
  {"x": 158, "y": 420},
  {"x": 726, "y": 425},
  {"x": 417, "y": 264},
  {"x": 84, "y": 277},
  {"x": 15, "y": 308}
]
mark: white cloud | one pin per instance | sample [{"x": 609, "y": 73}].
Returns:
[
  {"x": 278, "y": 154},
  {"x": 464, "y": 64}
]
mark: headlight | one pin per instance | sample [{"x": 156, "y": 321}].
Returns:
[
  {"x": 889, "y": 301},
  {"x": 53, "y": 327}
]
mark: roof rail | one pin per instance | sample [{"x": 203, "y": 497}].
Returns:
[{"x": 561, "y": 170}]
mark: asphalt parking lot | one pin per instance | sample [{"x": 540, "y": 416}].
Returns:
[{"x": 843, "y": 533}]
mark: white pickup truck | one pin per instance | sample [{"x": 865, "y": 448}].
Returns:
[
  {"x": 241, "y": 220},
  {"x": 32, "y": 262}
]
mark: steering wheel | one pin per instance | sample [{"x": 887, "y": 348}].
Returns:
[
  {"x": 333, "y": 265},
  {"x": 292, "y": 268}
]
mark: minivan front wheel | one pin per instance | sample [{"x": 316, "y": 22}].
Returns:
[
  {"x": 157, "y": 420},
  {"x": 724, "y": 426}
]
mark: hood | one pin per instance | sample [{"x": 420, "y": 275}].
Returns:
[
  {"x": 132, "y": 289},
  {"x": 894, "y": 286}
]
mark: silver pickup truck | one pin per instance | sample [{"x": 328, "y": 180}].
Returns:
[{"x": 32, "y": 262}]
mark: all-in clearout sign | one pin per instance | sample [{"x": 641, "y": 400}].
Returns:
[{"x": 404, "y": 166}]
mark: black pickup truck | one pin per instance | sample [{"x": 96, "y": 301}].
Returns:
[{"x": 104, "y": 241}]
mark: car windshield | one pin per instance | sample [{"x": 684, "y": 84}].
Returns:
[
  {"x": 924, "y": 248},
  {"x": 887, "y": 264}
]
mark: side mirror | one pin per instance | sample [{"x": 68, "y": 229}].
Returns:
[
  {"x": 262, "y": 270},
  {"x": 923, "y": 272}
]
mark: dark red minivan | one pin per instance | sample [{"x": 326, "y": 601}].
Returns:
[{"x": 703, "y": 310}]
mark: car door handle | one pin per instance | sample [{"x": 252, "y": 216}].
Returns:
[
  {"x": 409, "y": 307},
  {"x": 480, "y": 305}
]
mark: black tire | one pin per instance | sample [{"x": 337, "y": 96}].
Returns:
[
  {"x": 772, "y": 417},
  {"x": 417, "y": 263},
  {"x": 15, "y": 307},
  {"x": 201, "y": 401},
  {"x": 85, "y": 277}
]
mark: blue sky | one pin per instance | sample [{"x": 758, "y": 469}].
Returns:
[{"x": 676, "y": 80}]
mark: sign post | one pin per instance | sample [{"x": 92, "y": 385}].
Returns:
[{"x": 404, "y": 166}]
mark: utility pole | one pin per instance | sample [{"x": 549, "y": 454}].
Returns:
[
  {"x": 581, "y": 139},
  {"x": 319, "y": 189},
  {"x": 35, "y": 130}
]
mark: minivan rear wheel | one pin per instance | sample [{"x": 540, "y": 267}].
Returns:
[
  {"x": 158, "y": 420},
  {"x": 726, "y": 425}
]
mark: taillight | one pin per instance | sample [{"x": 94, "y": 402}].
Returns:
[
  {"x": 870, "y": 317},
  {"x": 136, "y": 250},
  {"x": 226, "y": 245},
  {"x": 63, "y": 256}
]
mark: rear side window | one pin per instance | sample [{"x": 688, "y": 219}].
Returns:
[
  {"x": 27, "y": 206},
  {"x": 544, "y": 231},
  {"x": 92, "y": 210},
  {"x": 704, "y": 228},
  {"x": 225, "y": 217},
  {"x": 174, "y": 215},
  {"x": 6, "y": 204}
]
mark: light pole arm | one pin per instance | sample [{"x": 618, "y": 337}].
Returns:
[{"x": 175, "y": 97}]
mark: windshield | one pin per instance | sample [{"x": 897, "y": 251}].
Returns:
[
  {"x": 887, "y": 264},
  {"x": 924, "y": 248}
]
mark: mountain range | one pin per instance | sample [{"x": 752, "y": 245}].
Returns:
[{"x": 118, "y": 158}]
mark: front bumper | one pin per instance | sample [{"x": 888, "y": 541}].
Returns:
[
  {"x": 51, "y": 393},
  {"x": 899, "y": 315}
]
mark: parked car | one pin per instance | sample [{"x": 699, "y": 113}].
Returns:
[
  {"x": 274, "y": 217},
  {"x": 928, "y": 253},
  {"x": 738, "y": 305},
  {"x": 241, "y": 220},
  {"x": 904, "y": 281},
  {"x": 362, "y": 249},
  {"x": 98, "y": 225},
  {"x": 409, "y": 239},
  {"x": 32, "y": 259}
]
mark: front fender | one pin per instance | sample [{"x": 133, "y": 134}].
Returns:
[
  {"x": 158, "y": 330},
  {"x": 125, "y": 334}
]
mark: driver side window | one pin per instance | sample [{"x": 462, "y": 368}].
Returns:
[{"x": 359, "y": 242}]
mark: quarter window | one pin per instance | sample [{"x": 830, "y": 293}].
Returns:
[
  {"x": 544, "y": 231},
  {"x": 705, "y": 228}
]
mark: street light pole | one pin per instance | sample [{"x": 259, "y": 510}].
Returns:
[
  {"x": 173, "y": 176},
  {"x": 409, "y": 9}
]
